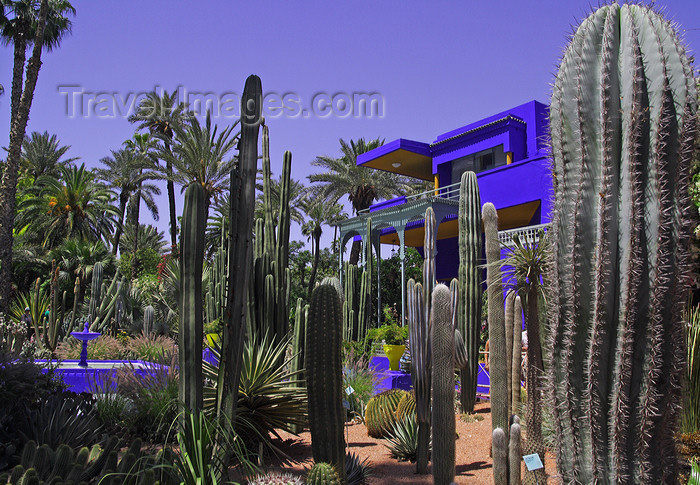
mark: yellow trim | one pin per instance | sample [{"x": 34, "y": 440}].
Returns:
[
  {"x": 509, "y": 158},
  {"x": 437, "y": 183}
]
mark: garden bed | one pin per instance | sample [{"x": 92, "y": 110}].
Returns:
[{"x": 472, "y": 455}]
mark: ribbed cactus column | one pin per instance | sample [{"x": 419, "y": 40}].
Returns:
[
  {"x": 470, "y": 278},
  {"x": 148, "y": 314},
  {"x": 516, "y": 360},
  {"x": 509, "y": 313},
  {"x": 240, "y": 259},
  {"x": 95, "y": 290},
  {"x": 443, "y": 417},
  {"x": 194, "y": 220},
  {"x": 623, "y": 121},
  {"x": 324, "y": 377},
  {"x": 498, "y": 371}
]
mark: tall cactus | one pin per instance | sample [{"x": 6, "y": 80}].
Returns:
[
  {"x": 240, "y": 254},
  {"x": 419, "y": 299},
  {"x": 469, "y": 316},
  {"x": 148, "y": 314},
  {"x": 516, "y": 360},
  {"x": 194, "y": 219},
  {"x": 298, "y": 349},
  {"x": 443, "y": 417},
  {"x": 96, "y": 286},
  {"x": 500, "y": 400},
  {"x": 623, "y": 122},
  {"x": 509, "y": 314},
  {"x": 324, "y": 378}
]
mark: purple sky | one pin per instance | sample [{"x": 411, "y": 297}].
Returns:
[{"x": 437, "y": 65}]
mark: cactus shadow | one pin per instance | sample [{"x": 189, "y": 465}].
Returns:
[{"x": 469, "y": 467}]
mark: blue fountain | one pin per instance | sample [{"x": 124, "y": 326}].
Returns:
[{"x": 85, "y": 336}]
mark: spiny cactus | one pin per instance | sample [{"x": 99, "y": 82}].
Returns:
[
  {"x": 276, "y": 478},
  {"x": 96, "y": 286},
  {"x": 191, "y": 311},
  {"x": 623, "y": 121},
  {"x": 148, "y": 314},
  {"x": 406, "y": 406},
  {"x": 509, "y": 315},
  {"x": 498, "y": 371},
  {"x": 419, "y": 304},
  {"x": 517, "y": 356},
  {"x": 443, "y": 416},
  {"x": 324, "y": 377},
  {"x": 298, "y": 348},
  {"x": 380, "y": 412},
  {"x": 499, "y": 448},
  {"x": 470, "y": 279},
  {"x": 240, "y": 258},
  {"x": 514, "y": 453},
  {"x": 323, "y": 474}
]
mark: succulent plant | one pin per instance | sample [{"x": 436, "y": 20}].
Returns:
[
  {"x": 357, "y": 470},
  {"x": 406, "y": 406},
  {"x": 380, "y": 413},
  {"x": 623, "y": 120},
  {"x": 323, "y": 474},
  {"x": 276, "y": 478},
  {"x": 324, "y": 377}
]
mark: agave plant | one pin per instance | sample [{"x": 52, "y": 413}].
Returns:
[
  {"x": 268, "y": 396},
  {"x": 357, "y": 470},
  {"x": 403, "y": 439}
]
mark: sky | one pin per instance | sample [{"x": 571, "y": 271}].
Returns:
[{"x": 427, "y": 67}]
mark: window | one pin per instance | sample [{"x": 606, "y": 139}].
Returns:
[{"x": 478, "y": 162}]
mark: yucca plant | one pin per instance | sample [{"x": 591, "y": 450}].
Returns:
[
  {"x": 690, "y": 417},
  {"x": 268, "y": 398},
  {"x": 403, "y": 439},
  {"x": 357, "y": 470}
]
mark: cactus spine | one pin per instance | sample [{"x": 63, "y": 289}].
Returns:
[
  {"x": 514, "y": 453},
  {"x": 443, "y": 416},
  {"x": 623, "y": 121},
  {"x": 419, "y": 304},
  {"x": 194, "y": 219},
  {"x": 509, "y": 315},
  {"x": 470, "y": 278},
  {"x": 324, "y": 378},
  {"x": 298, "y": 350},
  {"x": 323, "y": 474}
]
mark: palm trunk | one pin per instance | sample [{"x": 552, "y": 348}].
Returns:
[
  {"x": 317, "y": 256},
  {"x": 355, "y": 252},
  {"x": 8, "y": 186},
  {"x": 123, "y": 197},
  {"x": 171, "y": 205},
  {"x": 136, "y": 210}
]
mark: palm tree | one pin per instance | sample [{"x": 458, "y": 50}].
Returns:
[
  {"x": 320, "y": 212},
  {"x": 144, "y": 148},
  {"x": 362, "y": 185},
  {"x": 201, "y": 155},
  {"x": 23, "y": 23},
  {"x": 161, "y": 114},
  {"x": 42, "y": 153},
  {"x": 297, "y": 195},
  {"x": 76, "y": 206},
  {"x": 76, "y": 258},
  {"x": 124, "y": 173},
  {"x": 148, "y": 237}
]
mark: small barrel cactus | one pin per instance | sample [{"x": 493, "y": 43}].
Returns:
[
  {"x": 323, "y": 474},
  {"x": 380, "y": 413},
  {"x": 406, "y": 406},
  {"x": 276, "y": 478}
]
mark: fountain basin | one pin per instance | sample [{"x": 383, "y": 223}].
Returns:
[{"x": 82, "y": 379}]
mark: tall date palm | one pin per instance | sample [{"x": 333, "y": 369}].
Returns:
[{"x": 23, "y": 24}]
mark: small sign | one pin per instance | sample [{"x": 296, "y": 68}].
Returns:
[
  {"x": 346, "y": 404},
  {"x": 349, "y": 390},
  {"x": 533, "y": 462}
]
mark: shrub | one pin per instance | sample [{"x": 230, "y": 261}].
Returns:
[
  {"x": 151, "y": 348},
  {"x": 114, "y": 410},
  {"x": 64, "y": 418},
  {"x": 154, "y": 394},
  {"x": 149, "y": 259},
  {"x": 363, "y": 380},
  {"x": 103, "y": 347}
]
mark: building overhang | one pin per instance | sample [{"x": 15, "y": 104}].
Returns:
[{"x": 404, "y": 157}]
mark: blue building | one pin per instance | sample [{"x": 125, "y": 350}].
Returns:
[{"x": 509, "y": 153}]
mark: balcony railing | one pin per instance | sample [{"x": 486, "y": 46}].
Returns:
[
  {"x": 528, "y": 234},
  {"x": 450, "y": 192}
]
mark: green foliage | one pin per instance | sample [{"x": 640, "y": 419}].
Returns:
[
  {"x": 149, "y": 259},
  {"x": 154, "y": 395},
  {"x": 64, "y": 418},
  {"x": 268, "y": 398},
  {"x": 694, "y": 473},
  {"x": 151, "y": 348},
  {"x": 690, "y": 416},
  {"x": 114, "y": 410},
  {"x": 362, "y": 378},
  {"x": 391, "y": 334},
  {"x": 402, "y": 440},
  {"x": 390, "y": 274},
  {"x": 357, "y": 471}
]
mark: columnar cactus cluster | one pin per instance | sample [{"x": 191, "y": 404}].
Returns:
[{"x": 623, "y": 121}]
